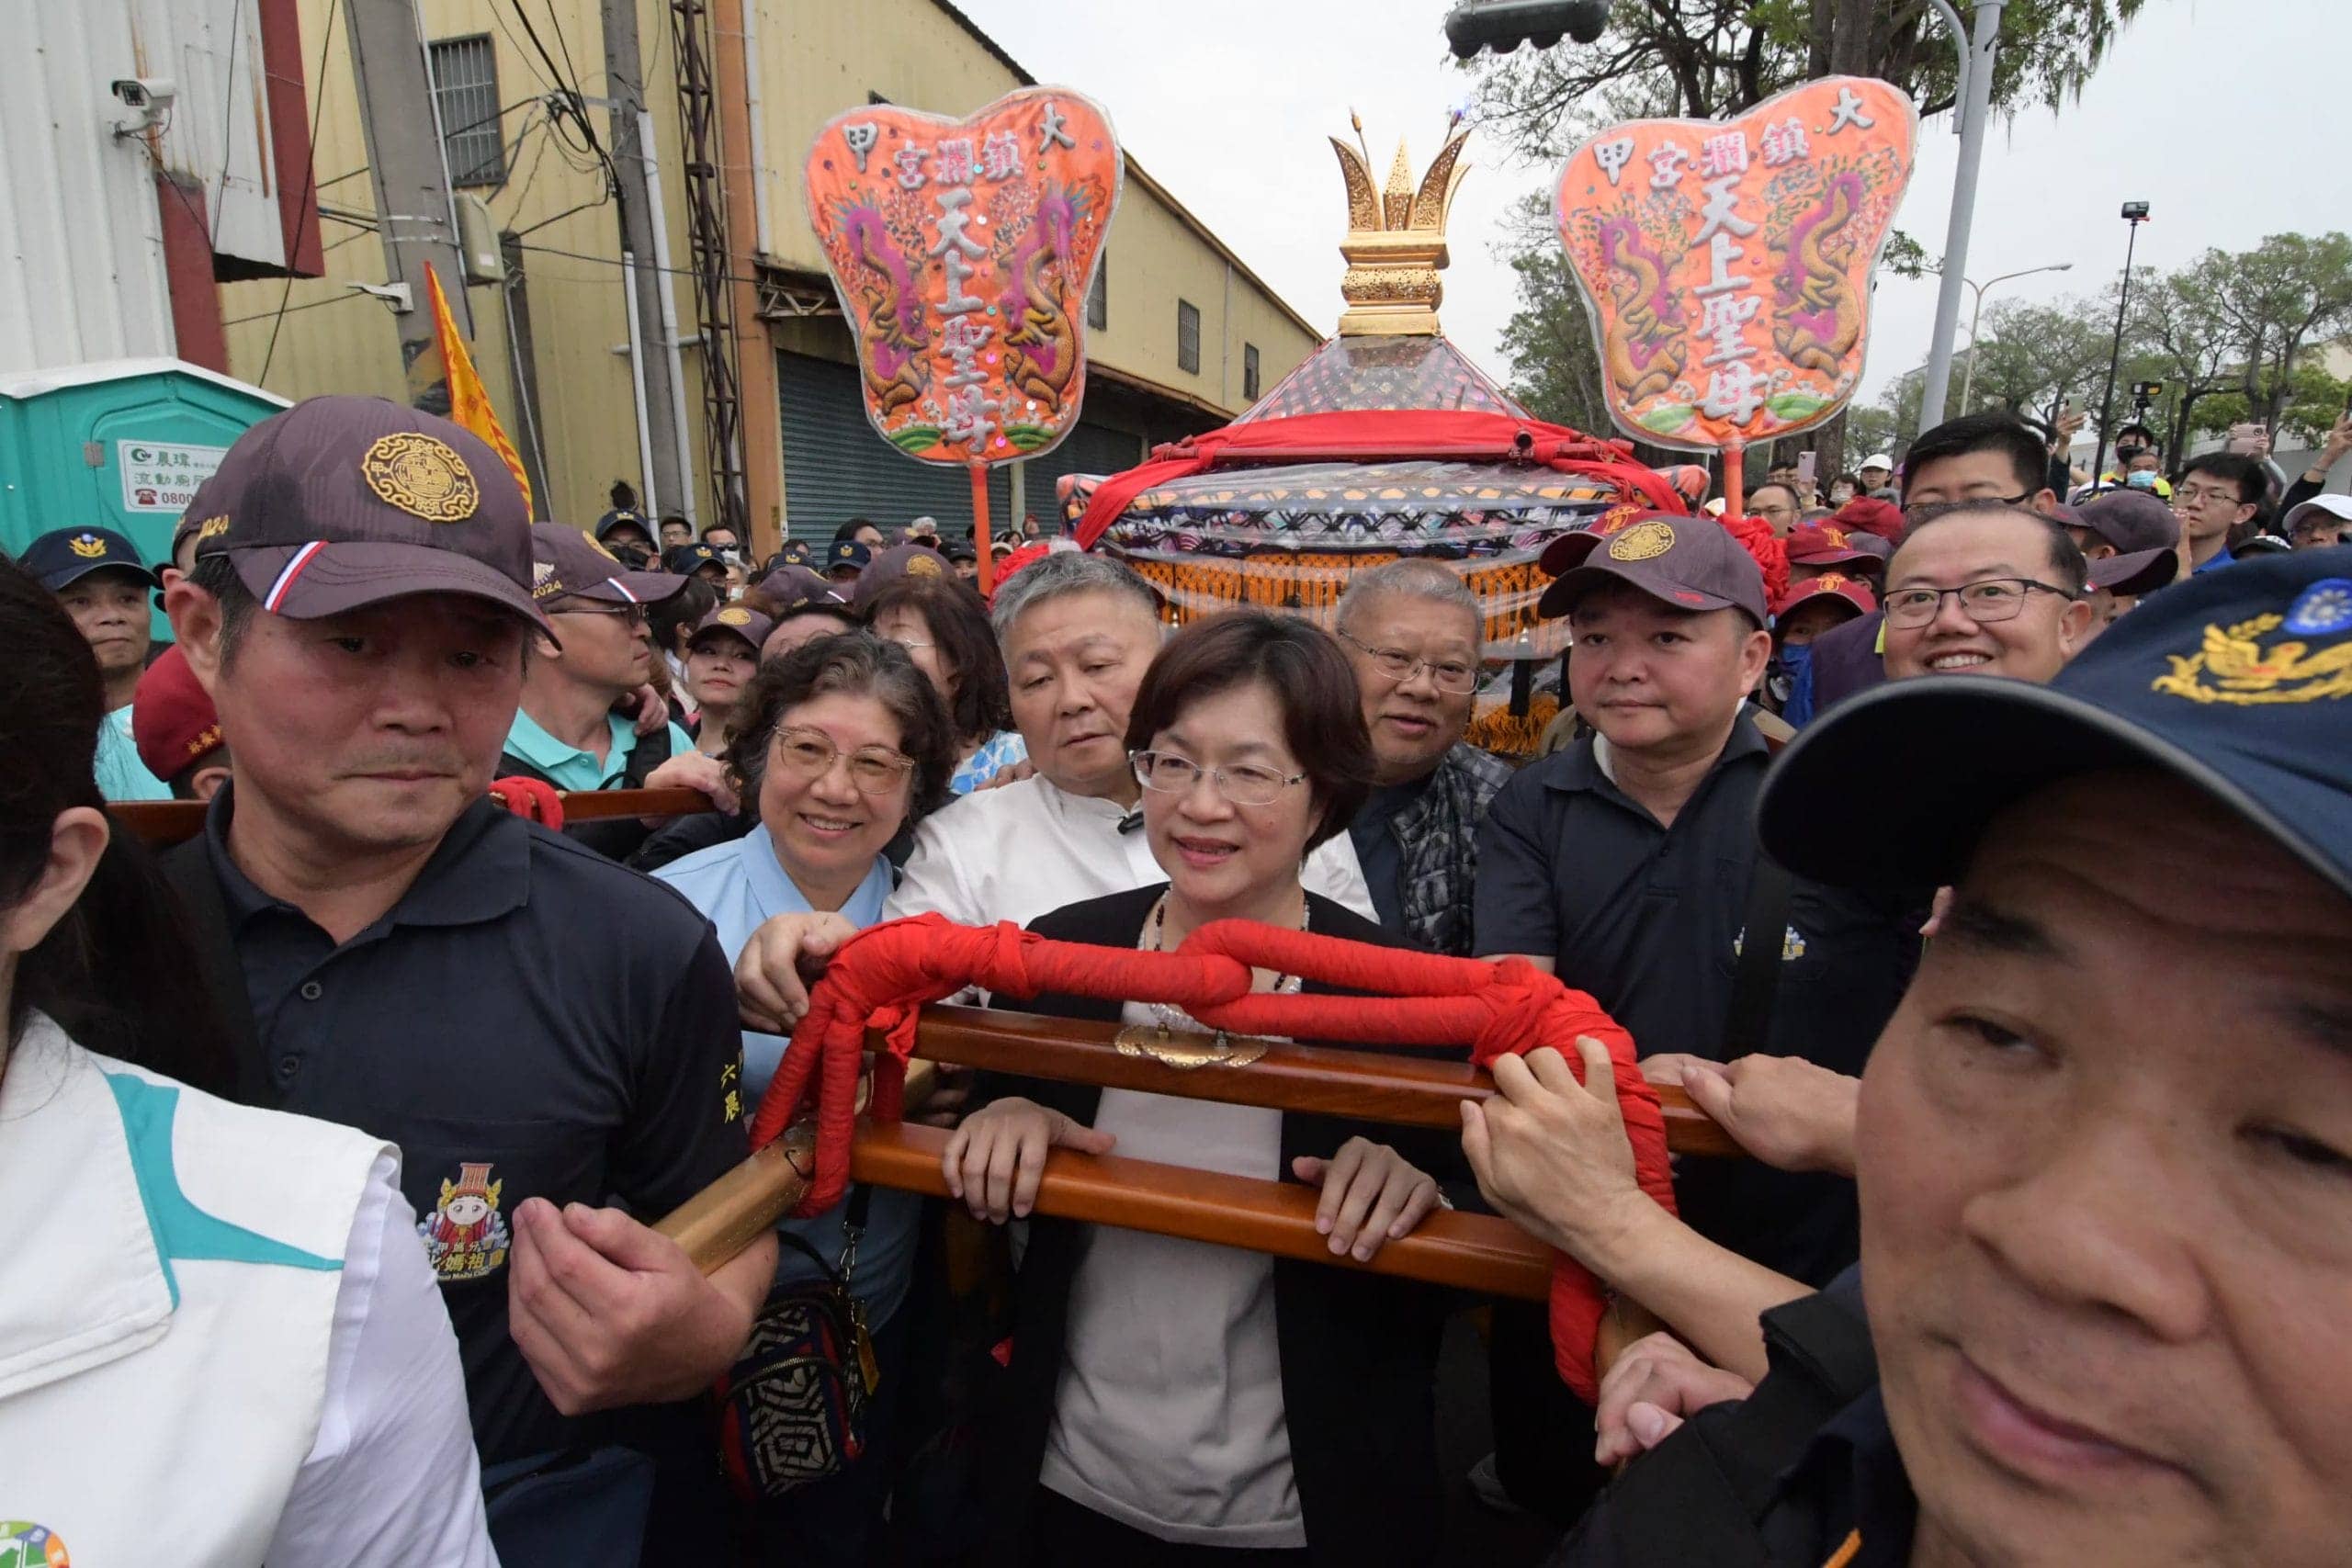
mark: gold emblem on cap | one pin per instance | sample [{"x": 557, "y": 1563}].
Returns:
[
  {"x": 89, "y": 546},
  {"x": 922, "y": 566},
  {"x": 211, "y": 528},
  {"x": 2234, "y": 667},
  {"x": 423, "y": 476},
  {"x": 734, "y": 615},
  {"x": 1642, "y": 542},
  {"x": 542, "y": 582}
]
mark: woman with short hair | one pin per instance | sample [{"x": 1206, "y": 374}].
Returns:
[
  {"x": 1172, "y": 1401},
  {"x": 944, "y": 627},
  {"x": 837, "y": 746}
]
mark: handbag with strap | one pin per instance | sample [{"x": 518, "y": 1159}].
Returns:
[{"x": 792, "y": 1408}]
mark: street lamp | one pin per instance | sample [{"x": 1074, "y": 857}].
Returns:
[
  {"x": 1968, "y": 382},
  {"x": 2134, "y": 213}
]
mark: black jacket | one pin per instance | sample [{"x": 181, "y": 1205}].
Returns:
[{"x": 1359, "y": 1352}]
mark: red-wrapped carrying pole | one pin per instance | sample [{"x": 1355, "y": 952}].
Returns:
[{"x": 883, "y": 976}]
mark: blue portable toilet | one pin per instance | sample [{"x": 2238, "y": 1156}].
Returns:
[{"x": 118, "y": 444}]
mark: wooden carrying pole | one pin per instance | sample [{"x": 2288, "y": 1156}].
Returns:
[
  {"x": 1471, "y": 1251},
  {"x": 164, "y": 822}
]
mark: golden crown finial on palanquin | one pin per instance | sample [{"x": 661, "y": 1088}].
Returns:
[{"x": 1395, "y": 240}]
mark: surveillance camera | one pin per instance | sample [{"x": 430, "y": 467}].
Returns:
[
  {"x": 144, "y": 91},
  {"x": 149, "y": 98}
]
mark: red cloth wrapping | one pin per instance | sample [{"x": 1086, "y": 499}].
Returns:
[
  {"x": 885, "y": 976},
  {"x": 534, "y": 800},
  {"x": 1770, "y": 551},
  {"x": 1376, "y": 435}
]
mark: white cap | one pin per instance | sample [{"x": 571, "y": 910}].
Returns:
[
  {"x": 2336, "y": 506},
  {"x": 1878, "y": 460}
]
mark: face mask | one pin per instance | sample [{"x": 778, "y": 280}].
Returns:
[
  {"x": 1793, "y": 663},
  {"x": 2140, "y": 481}
]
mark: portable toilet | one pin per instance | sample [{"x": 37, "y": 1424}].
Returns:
[{"x": 118, "y": 444}]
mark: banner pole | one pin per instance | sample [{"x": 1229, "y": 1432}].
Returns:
[
  {"x": 1735, "y": 487},
  {"x": 981, "y": 539}
]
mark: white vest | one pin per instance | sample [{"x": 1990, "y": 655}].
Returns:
[{"x": 168, "y": 1271}]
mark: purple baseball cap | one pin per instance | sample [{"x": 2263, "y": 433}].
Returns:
[
  {"x": 2142, "y": 571},
  {"x": 2131, "y": 520},
  {"x": 1688, "y": 563},
  {"x": 344, "y": 502},
  {"x": 568, "y": 564},
  {"x": 742, "y": 620}
]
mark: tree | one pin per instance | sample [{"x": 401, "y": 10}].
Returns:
[
  {"x": 1707, "y": 59},
  {"x": 2285, "y": 293},
  {"x": 2031, "y": 358},
  {"x": 1555, "y": 365},
  {"x": 2179, "y": 334}
]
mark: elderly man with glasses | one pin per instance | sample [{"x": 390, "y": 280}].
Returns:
[{"x": 1412, "y": 631}]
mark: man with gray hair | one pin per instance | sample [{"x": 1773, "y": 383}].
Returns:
[
  {"x": 1411, "y": 629},
  {"x": 1078, "y": 633}
]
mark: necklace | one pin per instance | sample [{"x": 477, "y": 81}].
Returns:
[{"x": 1161, "y": 1043}]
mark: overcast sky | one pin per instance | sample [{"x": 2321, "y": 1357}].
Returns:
[{"x": 2223, "y": 114}]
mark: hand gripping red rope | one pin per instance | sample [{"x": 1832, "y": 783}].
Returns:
[{"x": 883, "y": 976}]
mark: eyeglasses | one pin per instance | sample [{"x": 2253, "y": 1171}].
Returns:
[
  {"x": 811, "y": 753},
  {"x": 1396, "y": 664},
  {"x": 2196, "y": 496},
  {"x": 633, "y": 614},
  {"x": 1993, "y": 599},
  {"x": 1914, "y": 508},
  {"x": 1245, "y": 784}
]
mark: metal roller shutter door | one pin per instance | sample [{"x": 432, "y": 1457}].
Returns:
[
  {"x": 836, "y": 467},
  {"x": 1087, "y": 449}
]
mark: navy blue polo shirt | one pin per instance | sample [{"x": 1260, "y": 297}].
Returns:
[
  {"x": 530, "y": 1020},
  {"x": 1647, "y": 919}
]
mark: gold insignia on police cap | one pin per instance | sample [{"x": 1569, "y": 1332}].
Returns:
[
  {"x": 2234, "y": 667},
  {"x": 1645, "y": 541},
  {"x": 423, "y": 476},
  {"x": 734, "y": 615},
  {"x": 89, "y": 546},
  {"x": 922, "y": 566}
]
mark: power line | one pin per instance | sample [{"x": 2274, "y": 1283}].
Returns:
[
  {"x": 298, "y": 309},
  {"x": 310, "y": 186},
  {"x": 228, "y": 119}
]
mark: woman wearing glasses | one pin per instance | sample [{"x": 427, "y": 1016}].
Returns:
[
  {"x": 837, "y": 746},
  {"x": 1171, "y": 1400},
  {"x": 945, "y": 630}
]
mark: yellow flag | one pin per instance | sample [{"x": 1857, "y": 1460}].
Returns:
[{"x": 468, "y": 400}]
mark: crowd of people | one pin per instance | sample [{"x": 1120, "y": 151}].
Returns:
[{"x": 1979, "y": 860}]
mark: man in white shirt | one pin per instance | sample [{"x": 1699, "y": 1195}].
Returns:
[{"x": 1078, "y": 632}]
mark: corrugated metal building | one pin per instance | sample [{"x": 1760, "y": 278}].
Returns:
[{"x": 121, "y": 207}]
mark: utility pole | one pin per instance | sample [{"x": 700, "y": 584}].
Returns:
[
  {"x": 1976, "y": 109},
  {"x": 405, "y": 162},
  {"x": 661, "y": 394}
]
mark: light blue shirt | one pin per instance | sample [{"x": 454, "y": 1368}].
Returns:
[
  {"x": 122, "y": 775},
  {"x": 998, "y": 753},
  {"x": 737, "y": 886},
  {"x": 568, "y": 767}
]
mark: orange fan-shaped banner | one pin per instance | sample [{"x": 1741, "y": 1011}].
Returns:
[
  {"x": 962, "y": 251},
  {"x": 1726, "y": 264}
]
